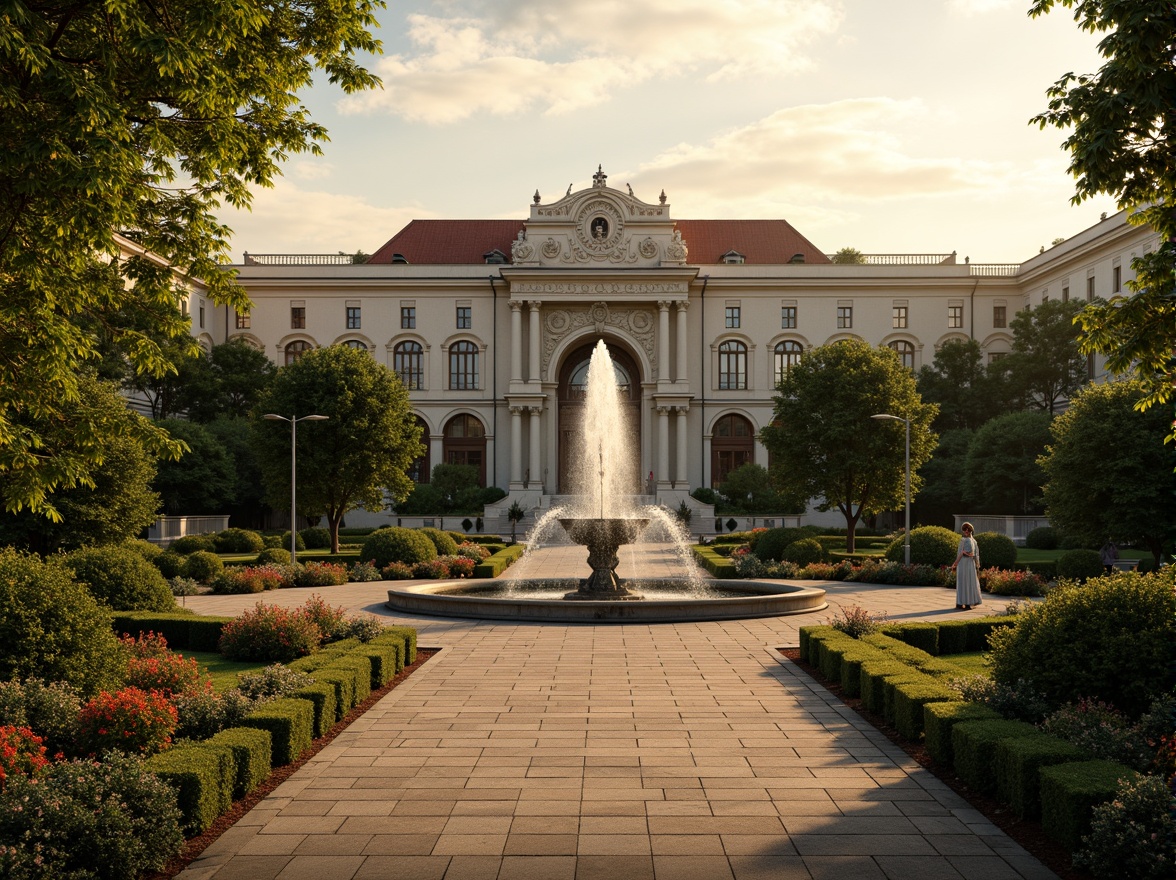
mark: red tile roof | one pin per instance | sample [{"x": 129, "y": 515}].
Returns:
[{"x": 461, "y": 242}]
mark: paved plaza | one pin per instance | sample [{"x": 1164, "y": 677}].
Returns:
[{"x": 583, "y": 751}]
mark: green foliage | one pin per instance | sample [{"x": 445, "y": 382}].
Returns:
[
  {"x": 203, "y": 566},
  {"x": 967, "y": 393},
  {"x": 748, "y": 490},
  {"x": 124, "y": 132},
  {"x": 121, "y": 578},
  {"x": 239, "y": 541},
  {"x": 316, "y": 538},
  {"x": 359, "y": 456},
  {"x": 228, "y": 382},
  {"x": 770, "y": 545},
  {"x": 274, "y": 556},
  {"x": 49, "y": 709},
  {"x": 1045, "y": 366},
  {"x": 88, "y": 821},
  {"x": 996, "y": 550},
  {"x": 1069, "y": 794},
  {"x": 1121, "y": 143},
  {"x": 128, "y": 720},
  {"x": 1002, "y": 473},
  {"x": 1127, "y": 496},
  {"x": 824, "y": 444},
  {"x": 930, "y": 545},
  {"x": 395, "y": 544},
  {"x": 186, "y": 544},
  {"x": 1080, "y": 565},
  {"x": 1134, "y": 835},
  {"x": 1112, "y": 639},
  {"x": 943, "y": 480},
  {"x": 170, "y": 564},
  {"x": 444, "y": 543},
  {"x": 848, "y": 256},
  {"x": 705, "y": 495},
  {"x": 1042, "y": 538},
  {"x": 805, "y": 552},
  {"x": 269, "y": 633},
  {"x": 855, "y": 621},
  {"x": 202, "y": 481}
]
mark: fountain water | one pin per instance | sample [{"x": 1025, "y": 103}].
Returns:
[{"x": 604, "y": 517}]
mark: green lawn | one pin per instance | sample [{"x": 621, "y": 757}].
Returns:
[
  {"x": 973, "y": 662},
  {"x": 223, "y": 671}
]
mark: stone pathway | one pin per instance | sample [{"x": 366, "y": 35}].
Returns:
[{"x": 575, "y": 752}]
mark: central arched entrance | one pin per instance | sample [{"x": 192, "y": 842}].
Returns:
[{"x": 573, "y": 379}]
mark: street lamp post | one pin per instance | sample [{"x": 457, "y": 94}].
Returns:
[
  {"x": 293, "y": 420},
  {"x": 906, "y": 546}
]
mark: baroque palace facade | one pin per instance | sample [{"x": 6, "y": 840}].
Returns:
[{"x": 490, "y": 324}]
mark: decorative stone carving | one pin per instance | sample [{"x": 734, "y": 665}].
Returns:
[
  {"x": 599, "y": 227},
  {"x": 647, "y": 248},
  {"x": 551, "y": 248},
  {"x": 521, "y": 250},
  {"x": 635, "y": 323},
  {"x": 676, "y": 250},
  {"x": 651, "y": 290}
]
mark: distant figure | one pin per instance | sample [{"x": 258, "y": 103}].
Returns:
[
  {"x": 649, "y": 484},
  {"x": 967, "y": 569},
  {"x": 1110, "y": 555}
]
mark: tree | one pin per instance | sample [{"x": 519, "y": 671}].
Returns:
[
  {"x": 203, "y": 480},
  {"x": 234, "y": 377},
  {"x": 247, "y": 508},
  {"x": 942, "y": 495},
  {"x": 1122, "y": 142},
  {"x": 115, "y": 501},
  {"x": 1107, "y": 472},
  {"x": 357, "y": 458},
  {"x": 126, "y": 126},
  {"x": 825, "y": 446},
  {"x": 749, "y": 490},
  {"x": 967, "y": 393},
  {"x": 1045, "y": 366},
  {"x": 848, "y": 256},
  {"x": 1002, "y": 474}
]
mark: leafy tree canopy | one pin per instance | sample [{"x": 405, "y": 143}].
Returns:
[
  {"x": 203, "y": 480},
  {"x": 1122, "y": 142},
  {"x": 967, "y": 393},
  {"x": 125, "y": 127},
  {"x": 748, "y": 490},
  {"x": 824, "y": 444},
  {"x": 1045, "y": 366},
  {"x": 848, "y": 256},
  {"x": 1002, "y": 475},
  {"x": 942, "y": 495},
  {"x": 1108, "y": 473},
  {"x": 359, "y": 456}
]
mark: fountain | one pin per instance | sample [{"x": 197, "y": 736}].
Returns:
[{"x": 603, "y": 518}]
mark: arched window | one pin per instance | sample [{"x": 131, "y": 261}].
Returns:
[
  {"x": 408, "y": 362},
  {"x": 464, "y": 442},
  {"x": 732, "y": 366},
  {"x": 732, "y": 446},
  {"x": 419, "y": 471},
  {"x": 463, "y": 366},
  {"x": 356, "y": 344},
  {"x": 787, "y": 355},
  {"x": 295, "y": 350},
  {"x": 906, "y": 352}
]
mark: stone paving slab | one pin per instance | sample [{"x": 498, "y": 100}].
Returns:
[{"x": 580, "y": 751}]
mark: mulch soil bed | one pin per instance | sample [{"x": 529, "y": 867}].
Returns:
[
  {"x": 1025, "y": 832},
  {"x": 194, "y": 846}
]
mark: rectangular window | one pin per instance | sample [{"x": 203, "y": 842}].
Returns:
[
  {"x": 243, "y": 320},
  {"x": 408, "y": 317},
  {"x": 732, "y": 366},
  {"x": 202, "y": 314},
  {"x": 1116, "y": 279},
  {"x": 788, "y": 317},
  {"x": 995, "y": 356},
  {"x": 732, "y": 318},
  {"x": 844, "y": 317},
  {"x": 353, "y": 319},
  {"x": 999, "y": 317},
  {"x": 955, "y": 317},
  {"x": 1065, "y": 294},
  {"x": 898, "y": 318},
  {"x": 1090, "y": 289},
  {"x": 297, "y": 317},
  {"x": 465, "y": 319},
  {"x": 463, "y": 366}
]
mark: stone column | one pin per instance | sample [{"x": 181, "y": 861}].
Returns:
[
  {"x": 680, "y": 464},
  {"x": 516, "y": 445},
  {"x": 516, "y": 341},
  {"x": 680, "y": 374},
  {"x": 536, "y": 473},
  {"x": 663, "y": 340},
  {"x": 533, "y": 367},
  {"x": 662, "y": 473}
]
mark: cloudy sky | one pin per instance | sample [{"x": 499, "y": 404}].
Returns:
[{"x": 893, "y": 127}]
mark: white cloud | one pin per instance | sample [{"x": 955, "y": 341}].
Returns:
[
  {"x": 980, "y": 7},
  {"x": 305, "y": 169},
  {"x": 507, "y": 57},
  {"x": 291, "y": 220}
]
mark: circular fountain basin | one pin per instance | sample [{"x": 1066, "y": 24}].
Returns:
[{"x": 665, "y": 602}]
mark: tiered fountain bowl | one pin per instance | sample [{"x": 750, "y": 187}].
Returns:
[{"x": 603, "y": 537}]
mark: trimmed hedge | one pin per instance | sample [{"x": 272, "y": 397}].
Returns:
[
  {"x": 940, "y": 717},
  {"x": 1018, "y": 762},
  {"x": 407, "y": 636},
  {"x": 974, "y": 746},
  {"x": 716, "y": 564},
  {"x": 924, "y": 636},
  {"x": 982, "y": 627},
  {"x": 181, "y": 629},
  {"x": 290, "y": 722},
  {"x": 252, "y": 750},
  {"x": 495, "y": 565},
  {"x": 910, "y": 701},
  {"x": 195, "y": 774},
  {"x": 953, "y": 637},
  {"x": 322, "y": 695},
  {"x": 873, "y": 680},
  {"x": 1069, "y": 794}
]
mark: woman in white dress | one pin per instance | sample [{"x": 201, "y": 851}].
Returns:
[{"x": 967, "y": 568}]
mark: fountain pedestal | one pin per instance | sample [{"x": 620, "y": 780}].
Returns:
[{"x": 603, "y": 537}]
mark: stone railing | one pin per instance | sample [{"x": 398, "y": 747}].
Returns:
[
  {"x": 1016, "y": 527},
  {"x": 902, "y": 259},
  {"x": 993, "y": 268},
  {"x": 167, "y": 528},
  {"x": 298, "y": 259}
]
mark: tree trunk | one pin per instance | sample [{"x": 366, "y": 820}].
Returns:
[{"x": 334, "y": 518}]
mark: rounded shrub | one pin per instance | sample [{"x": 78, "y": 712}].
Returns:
[
  {"x": 769, "y": 546},
  {"x": 131, "y": 720},
  {"x": 1042, "y": 538},
  {"x": 121, "y": 578},
  {"x": 50, "y": 709},
  {"x": 930, "y": 545},
  {"x": 316, "y": 538},
  {"x": 239, "y": 541},
  {"x": 1080, "y": 565},
  {"x": 270, "y": 634},
  {"x": 274, "y": 540},
  {"x": 299, "y": 544},
  {"x": 1071, "y": 542},
  {"x": 396, "y": 544},
  {"x": 191, "y": 543},
  {"x": 203, "y": 566},
  {"x": 170, "y": 563},
  {"x": 806, "y": 551},
  {"x": 1112, "y": 639},
  {"x": 146, "y": 549},
  {"x": 443, "y": 541},
  {"x": 274, "y": 556},
  {"x": 996, "y": 550}
]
